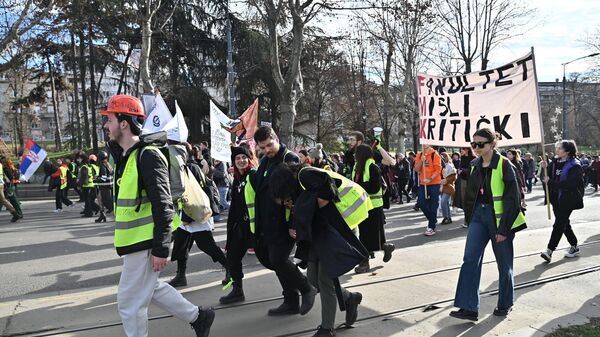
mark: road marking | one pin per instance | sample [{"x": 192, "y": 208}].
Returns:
[{"x": 13, "y": 252}]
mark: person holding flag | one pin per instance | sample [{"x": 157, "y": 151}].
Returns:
[
  {"x": 428, "y": 164},
  {"x": 8, "y": 197}
]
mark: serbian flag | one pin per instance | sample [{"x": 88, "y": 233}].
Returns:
[{"x": 33, "y": 157}]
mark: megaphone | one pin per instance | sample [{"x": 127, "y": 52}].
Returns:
[{"x": 377, "y": 131}]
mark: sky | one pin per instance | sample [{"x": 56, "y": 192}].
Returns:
[{"x": 556, "y": 38}]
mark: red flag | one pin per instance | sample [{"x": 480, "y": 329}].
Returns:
[{"x": 249, "y": 121}]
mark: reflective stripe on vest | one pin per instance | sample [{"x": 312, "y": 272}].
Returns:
[
  {"x": 354, "y": 204},
  {"x": 377, "y": 197},
  {"x": 497, "y": 185},
  {"x": 250, "y": 196},
  {"x": 133, "y": 226},
  {"x": 63, "y": 177}
]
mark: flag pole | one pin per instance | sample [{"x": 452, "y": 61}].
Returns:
[{"x": 544, "y": 155}]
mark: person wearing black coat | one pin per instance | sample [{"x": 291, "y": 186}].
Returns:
[
  {"x": 566, "y": 184},
  {"x": 274, "y": 241},
  {"x": 239, "y": 235},
  {"x": 372, "y": 233},
  {"x": 402, "y": 173},
  {"x": 330, "y": 247}
]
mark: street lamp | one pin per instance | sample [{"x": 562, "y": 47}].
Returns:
[{"x": 565, "y": 131}]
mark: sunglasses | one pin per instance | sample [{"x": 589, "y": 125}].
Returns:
[{"x": 480, "y": 145}]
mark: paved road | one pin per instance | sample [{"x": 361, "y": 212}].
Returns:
[{"x": 49, "y": 253}]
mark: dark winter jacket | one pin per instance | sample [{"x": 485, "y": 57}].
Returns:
[
  {"x": 510, "y": 197},
  {"x": 238, "y": 222},
  {"x": 567, "y": 193},
  {"x": 154, "y": 174},
  {"x": 271, "y": 226}
]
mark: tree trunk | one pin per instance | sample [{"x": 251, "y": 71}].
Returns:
[
  {"x": 57, "y": 134},
  {"x": 288, "y": 116},
  {"x": 387, "y": 96},
  {"x": 145, "y": 53},
  {"x": 76, "y": 112},
  {"x": 92, "y": 90},
  {"x": 84, "y": 98},
  {"x": 125, "y": 68}
]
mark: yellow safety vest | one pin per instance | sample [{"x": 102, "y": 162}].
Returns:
[
  {"x": 250, "y": 198},
  {"x": 63, "y": 177},
  {"x": 92, "y": 171},
  {"x": 354, "y": 204},
  {"x": 133, "y": 225},
  {"x": 377, "y": 197},
  {"x": 497, "y": 185},
  {"x": 72, "y": 167}
]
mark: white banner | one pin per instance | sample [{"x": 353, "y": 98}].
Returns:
[
  {"x": 220, "y": 139},
  {"x": 177, "y": 130},
  {"x": 504, "y": 99}
]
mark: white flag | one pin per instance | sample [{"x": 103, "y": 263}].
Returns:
[
  {"x": 158, "y": 117},
  {"x": 176, "y": 129},
  {"x": 219, "y": 137}
]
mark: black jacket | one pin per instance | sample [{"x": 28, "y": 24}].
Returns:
[
  {"x": 238, "y": 222},
  {"x": 402, "y": 170},
  {"x": 572, "y": 189},
  {"x": 511, "y": 196},
  {"x": 271, "y": 226},
  {"x": 154, "y": 174}
]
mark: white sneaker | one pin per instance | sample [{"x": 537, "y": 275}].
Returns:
[
  {"x": 59, "y": 210},
  {"x": 546, "y": 255},
  {"x": 573, "y": 252},
  {"x": 429, "y": 232}
]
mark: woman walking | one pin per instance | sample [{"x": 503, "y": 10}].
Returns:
[
  {"x": 372, "y": 235},
  {"x": 566, "y": 185},
  {"x": 492, "y": 209},
  {"x": 240, "y": 223},
  {"x": 448, "y": 178}
]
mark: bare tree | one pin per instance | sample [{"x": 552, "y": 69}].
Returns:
[
  {"x": 476, "y": 27},
  {"x": 275, "y": 14},
  {"x": 19, "y": 17}
]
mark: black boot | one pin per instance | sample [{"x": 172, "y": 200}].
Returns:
[
  {"x": 101, "y": 218},
  {"x": 290, "y": 305},
  {"x": 179, "y": 280},
  {"x": 363, "y": 267},
  {"x": 15, "y": 217},
  {"x": 227, "y": 277},
  {"x": 308, "y": 299},
  {"x": 236, "y": 294},
  {"x": 388, "y": 248}
]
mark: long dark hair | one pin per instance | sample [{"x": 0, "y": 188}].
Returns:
[
  {"x": 363, "y": 153},
  {"x": 284, "y": 180}
]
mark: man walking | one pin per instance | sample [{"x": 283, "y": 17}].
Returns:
[
  {"x": 143, "y": 215},
  {"x": 274, "y": 237}
]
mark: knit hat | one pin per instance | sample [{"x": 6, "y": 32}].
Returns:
[
  {"x": 242, "y": 149},
  {"x": 316, "y": 152}
]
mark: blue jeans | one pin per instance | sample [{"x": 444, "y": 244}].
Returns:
[
  {"x": 445, "y": 203},
  {"x": 223, "y": 197},
  {"x": 430, "y": 205},
  {"x": 481, "y": 230}
]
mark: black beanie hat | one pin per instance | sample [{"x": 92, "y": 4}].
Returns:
[{"x": 242, "y": 149}]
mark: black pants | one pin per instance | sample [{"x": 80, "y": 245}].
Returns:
[
  {"x": 184, "y": 240},
  {"x": 237, "y": 246},
  {"x": 61, "y": 197},
  {"x": 562, "y": 225},
  {"x": 277, "y": 258},
  {"x": 89, "y": 197},
  {"x": 402, "y": 189}
]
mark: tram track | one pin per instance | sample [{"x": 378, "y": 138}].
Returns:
[{"x": 394, "y": 312}]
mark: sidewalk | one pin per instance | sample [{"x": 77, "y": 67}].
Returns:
[{"x": 537, "y": 310}]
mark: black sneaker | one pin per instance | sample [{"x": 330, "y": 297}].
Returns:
[
  {"x": 465, "y": 314},
  {"x": 502, "y": 312},
  {"x": 352, "y": 308},
  {"x": 322, "y": 332},
  {"x": 204, "y": 321}
]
